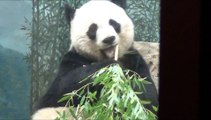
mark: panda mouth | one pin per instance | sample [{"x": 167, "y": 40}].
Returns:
[{"x": 109, "y": 52}]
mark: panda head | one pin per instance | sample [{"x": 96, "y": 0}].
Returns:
[{"x": 97, "y": 27}]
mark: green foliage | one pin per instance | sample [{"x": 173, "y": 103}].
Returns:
[
  {"x": 117, "y": 100},
  {"x": 145, "y": 15},
  {"x": 62, "y": 116},
  {"x": 50, "y": 40},
  {"x": 49, "y": 33}
]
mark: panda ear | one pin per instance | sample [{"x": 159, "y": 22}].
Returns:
[
  {"x": 69, "y": 12},
  {"x": 121, "y": 3}
]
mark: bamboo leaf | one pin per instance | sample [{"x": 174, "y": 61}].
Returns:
[{"x": 65, "y": 98}]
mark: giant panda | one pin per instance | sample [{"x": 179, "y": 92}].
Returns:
[{"x": 97, "y": 27}]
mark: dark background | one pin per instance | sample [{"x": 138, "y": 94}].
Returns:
[{"x": 179, "y": 60}]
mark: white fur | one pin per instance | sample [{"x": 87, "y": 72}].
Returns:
[
  {"x": 100, "y": 12},
  {"x": 49, "y": 113}
]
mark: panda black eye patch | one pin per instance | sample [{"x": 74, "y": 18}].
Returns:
[
  {"x": 115, "y": 25},
  {"x": 91, "y": 33}
]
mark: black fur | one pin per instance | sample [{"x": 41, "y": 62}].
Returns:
[
  {"x": 115, "y": 25},
  {"x": 91, "y": 33},
  {"x": 134, "y": 61},
  {"x": 69, "y": 12},
  {"x": 74, "y": 68},
  {"x": 109, "y": 40},
  {"x": 121, "y": 3}
]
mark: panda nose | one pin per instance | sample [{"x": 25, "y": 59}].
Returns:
[{"x": 109, "y": 40}]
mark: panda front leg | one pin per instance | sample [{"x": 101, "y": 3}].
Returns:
[
  {"x": 136, "y": 62},
  {"x": 68, "y": 83},
  {"x": 151, "y": 93}
]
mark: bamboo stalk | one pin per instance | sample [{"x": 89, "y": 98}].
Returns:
[{"x": 116, "y": 52}]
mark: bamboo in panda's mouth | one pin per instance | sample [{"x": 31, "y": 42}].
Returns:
[
  {"x": 116, "y": 52},
  {"x": 111, "y": 52}
]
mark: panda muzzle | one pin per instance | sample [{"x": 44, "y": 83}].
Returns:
[{"x": 109, "y": 52}]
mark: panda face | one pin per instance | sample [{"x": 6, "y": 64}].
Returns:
[
  {"x": 97, "y": 27},
  {"x": 105, "y": 37}
]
